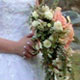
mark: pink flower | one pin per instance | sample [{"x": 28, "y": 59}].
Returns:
[
  {"x": 70, "y": 36},
  {"x": 59, "y": 17}
]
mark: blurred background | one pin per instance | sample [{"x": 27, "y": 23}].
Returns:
[{"x": 72, "y": 8}]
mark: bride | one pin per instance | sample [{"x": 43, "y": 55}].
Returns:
[{"x": 15, "y": 42}]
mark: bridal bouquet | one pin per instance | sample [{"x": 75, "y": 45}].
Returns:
[{"x": 53, "y": 35}]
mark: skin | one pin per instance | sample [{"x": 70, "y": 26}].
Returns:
[
  {"x": 8, "y": 46},
  {"x": 17, "y": 47},
  {"x": 38, "y": 2}
]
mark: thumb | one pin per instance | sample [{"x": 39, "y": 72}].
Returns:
[
  {"x": 37, "y": 2},
  {"x": 31, "y": 34}
]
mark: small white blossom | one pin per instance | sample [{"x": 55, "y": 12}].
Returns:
[
  {"x": 57, "y": 60},
  {"x": 35, "y": 23},
  {"x": 58, "y": 26},
  {"x": 45, "y": 8},
  {"x": 51, "y": 38},
  {"x": 49, "y": 25},
  {"x": 47, "y": 44},
  {"x": 48, "y": 14},
  {"x": 40, "y": 27},
  {"x": 38, "y": 46},
  {"x": 54, "y": 62},
  {"x": 67, "y": 78},
  {"x": 52, "y": 11},
  {"x": 69, "y": 65},
  {"x": 56, "y": 71},
  {"x": 49, "y": 56},
  {"x": 35, "y": 14}
]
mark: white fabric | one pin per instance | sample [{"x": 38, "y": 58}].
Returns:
[{"x": 13, "y": 16}]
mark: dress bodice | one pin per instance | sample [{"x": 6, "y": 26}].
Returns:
[{"x": 14, "y": 15}]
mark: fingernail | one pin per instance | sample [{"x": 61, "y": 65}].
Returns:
[
  {"x": 24, "y": 46},
  {"x": 28, "y": 42}
]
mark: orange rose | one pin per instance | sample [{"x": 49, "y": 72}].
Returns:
[
  {"x": 59, "y": 17},
  {"x": 70, "y": 36}
]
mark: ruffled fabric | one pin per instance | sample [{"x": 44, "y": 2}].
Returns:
[{"x": 14, "y": 15}]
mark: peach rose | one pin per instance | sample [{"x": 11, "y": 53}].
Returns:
[
  {"x": 70, "y": 36},
  {"x": 59, "y": 17}
]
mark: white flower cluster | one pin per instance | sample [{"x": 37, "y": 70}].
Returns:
[
  {"x": 35, "y": 23},
  {"x": 58, "y": 26},
  {"x": 35, "y": 14},
  {"x": 49, "y": 40},
  {"x": 47, "y": 12}
]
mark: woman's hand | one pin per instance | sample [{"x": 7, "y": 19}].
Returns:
[{"x": 25, "y": 46}]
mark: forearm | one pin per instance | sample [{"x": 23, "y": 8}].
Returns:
[{"x": 8, "y": 46}]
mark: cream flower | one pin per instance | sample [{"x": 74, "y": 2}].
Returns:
[
  {"x": 38, "y": 46},
  {"x": 48, "y": 14},
  {"x": 51, "y": 38},
  {"x": 47, "y": 44},
  {"x": 35, "y": 23},
  {"x": 45, "y": 8},
  {"x": 49, "y": 25},
  {"x": 58, "y": 26},
  {"x": 35, "y": 14}
]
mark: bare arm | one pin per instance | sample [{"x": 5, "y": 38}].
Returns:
[
  {"x": 17, "y": 47},
  {"x": 8, "y": 46}
]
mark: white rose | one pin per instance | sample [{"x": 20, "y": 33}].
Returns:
[
  {"x": 47, "y": 44},
  {"x": 58, "y": 26},
  {"x": 48, "y": 15},
  {"x": 35, "y": 23},
  {"x": 35, "y": 14}
]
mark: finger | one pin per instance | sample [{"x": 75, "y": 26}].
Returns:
[
  {"x": 28, "y": 50},
  {"x": 28, "y": 55},
  {"x": 31, "y": 52},
  {"x": 30, "y": 35},
  {"x": 37, "y": 2},
  {"x": 30, "y": 47}
]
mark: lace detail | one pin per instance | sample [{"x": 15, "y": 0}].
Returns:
[{"x": 13, "y": 16}]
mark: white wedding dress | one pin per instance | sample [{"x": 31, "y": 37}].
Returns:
[{"x": 13, "y": 16}]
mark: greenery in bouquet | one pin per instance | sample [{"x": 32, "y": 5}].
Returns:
[{"x": 53, "y": 35}]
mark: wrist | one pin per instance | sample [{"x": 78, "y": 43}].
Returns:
[
  {"x": 16, "y": 47},
  {"x": 19, "y": 48},
  {"x": 13, "y": 48}
]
